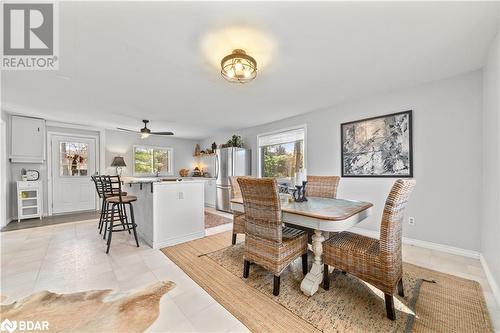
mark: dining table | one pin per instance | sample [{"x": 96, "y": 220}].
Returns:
[{"x": 323, "y": 215}]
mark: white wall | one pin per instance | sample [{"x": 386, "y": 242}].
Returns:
[
  {"x": 4, "y": 172},
  {"x": 119, "y": 143},
  {"x": 490, "y": 240},
  {"x": 447, "y": 143}
]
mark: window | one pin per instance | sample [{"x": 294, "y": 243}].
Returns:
[
  {"x": 153, "y": 160},
  {"x": 73, "y": 157},
  {"x": 282, "y": 153}
]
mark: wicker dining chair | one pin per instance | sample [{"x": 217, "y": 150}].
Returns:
[
  {"x": 268, "y": 243},
  {"x": 238, "y": 217},
  {"x": 322, "y": 186},
  {"x": 378, "y": 262}
]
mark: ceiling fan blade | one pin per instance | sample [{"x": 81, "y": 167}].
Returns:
[
  {"x": 127, "y": 130},
  {"x": 162, "y": 133}
]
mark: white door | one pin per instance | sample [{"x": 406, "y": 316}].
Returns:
[{"x": 73, "y": 162}]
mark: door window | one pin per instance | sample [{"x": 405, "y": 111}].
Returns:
[{"x": 73, "y": 159}]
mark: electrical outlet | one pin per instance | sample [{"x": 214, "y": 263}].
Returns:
[
  {"x": 180, "y": 195},
  {"x": 411, "y": 220}
]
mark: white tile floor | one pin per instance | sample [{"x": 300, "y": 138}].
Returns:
[{"x": 70, "y": 257}]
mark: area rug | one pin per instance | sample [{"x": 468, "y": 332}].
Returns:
[
  {"x": 214, "y": 220},
  {"x": 90, "y": 311},
  {"x": 433, "y": 302}
]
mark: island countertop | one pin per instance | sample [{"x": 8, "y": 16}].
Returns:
[{"x": 162, "y": 180}]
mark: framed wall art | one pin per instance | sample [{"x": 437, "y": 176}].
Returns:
[{"x": 378, "y": 147}]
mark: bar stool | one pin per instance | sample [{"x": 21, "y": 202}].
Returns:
[
  {"x": 112, "y": 188},
  {"x": 99, "y": 186},
  {"x": 104, "y": 191},
  {"x": 118, "y": 203}
]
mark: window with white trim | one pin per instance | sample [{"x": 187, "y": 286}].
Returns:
[
  {"x": 153, "y": 160},
  {"x": 282, "y": 153}
]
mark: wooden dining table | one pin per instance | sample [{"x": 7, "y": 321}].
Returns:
[{"x": 322, "y": 215}]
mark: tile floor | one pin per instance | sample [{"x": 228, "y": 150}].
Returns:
[{"x": 70, "y": 257}]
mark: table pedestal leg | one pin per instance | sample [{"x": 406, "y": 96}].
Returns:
[{"x": 313, "y": 279}]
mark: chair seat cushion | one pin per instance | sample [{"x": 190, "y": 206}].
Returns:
[
  {"x": 290, "y": 234},
  {"x": 107, "y": 195},
  {"x": 351, "y": 242},
  {"x": 125, "y": 199}
]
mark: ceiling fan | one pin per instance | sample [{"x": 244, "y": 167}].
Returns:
[{"x": 145, "y": 131}]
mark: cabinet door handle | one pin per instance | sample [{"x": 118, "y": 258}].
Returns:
[{"x": 38, "y": 129}]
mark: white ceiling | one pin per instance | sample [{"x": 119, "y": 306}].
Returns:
[{"x": 121, "y": 62}]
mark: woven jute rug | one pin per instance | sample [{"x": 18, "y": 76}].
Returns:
[
  {"x": 89, "y": 311},
  {"x": 433, "y": 302}
]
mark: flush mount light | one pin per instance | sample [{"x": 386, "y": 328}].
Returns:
[{"x": 238, "y": 67}]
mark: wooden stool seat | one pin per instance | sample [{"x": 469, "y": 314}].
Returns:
[
  {"x": 107, "y": 195},
  {"x": 124, "y": 199}
]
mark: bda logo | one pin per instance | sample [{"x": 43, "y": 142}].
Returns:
[{"x": 8, "y": 325}]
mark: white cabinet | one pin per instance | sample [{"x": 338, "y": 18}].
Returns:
[
  {"x": 29, "y": 200},
  {"x": 210, "y": 192},
  {"x": 27, "y": 139},
  {"x": 170, "y": 213}
]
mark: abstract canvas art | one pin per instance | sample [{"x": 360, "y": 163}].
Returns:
[{"x": 378, "y": 147}]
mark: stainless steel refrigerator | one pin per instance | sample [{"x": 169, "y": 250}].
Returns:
[{"x": 230, "y": 162}]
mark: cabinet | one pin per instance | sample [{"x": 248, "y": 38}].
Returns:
[
  {"x": 29, "y": 201},
  {"x": 27, "y": 140},
  {"x": 210, "y": 192}
]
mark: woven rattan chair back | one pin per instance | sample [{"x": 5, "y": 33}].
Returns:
[
  {"x": 322, "y": 186},
  {"x": 262, "y": 208},
  {"x": 391, "y": 226},
  {"x": 235, "y": 187}
]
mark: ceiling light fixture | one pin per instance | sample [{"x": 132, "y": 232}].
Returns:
[{"x": 238, "y": 67}]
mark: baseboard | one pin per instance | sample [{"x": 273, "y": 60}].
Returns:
[
  {"x": 425, "y": 244},
  {"x": 219, "y": 229},
  {"x": 491, "y": 280},
  {"x": 174, "y": 240}
]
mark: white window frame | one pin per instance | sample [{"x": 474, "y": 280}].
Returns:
[
  {"x": 170, "y": 160},
  {"x": 292, "y": 128}
]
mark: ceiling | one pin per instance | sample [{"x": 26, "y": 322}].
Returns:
[{"x": 121, "y": 62}]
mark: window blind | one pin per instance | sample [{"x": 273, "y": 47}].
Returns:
[{"x": 293, "y": 135}]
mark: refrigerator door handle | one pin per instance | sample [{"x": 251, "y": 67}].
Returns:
[{"x": 216, "y": 166}]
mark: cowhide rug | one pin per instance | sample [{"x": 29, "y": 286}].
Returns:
[{"x": 91, "y": 311}]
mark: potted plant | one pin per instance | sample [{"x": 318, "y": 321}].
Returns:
[{"x": 235, "y": 141}]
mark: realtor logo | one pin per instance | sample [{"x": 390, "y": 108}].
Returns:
[{"x": 29, "y": 36}]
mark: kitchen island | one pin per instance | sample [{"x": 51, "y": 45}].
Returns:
[{"x": 167, "y": 211}]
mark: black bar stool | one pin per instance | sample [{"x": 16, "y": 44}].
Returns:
[
  {"x": 118, "y": 201},
  {"x": 103, "y": 192},
  {"x": 111, "y": 187},
  {"x": 99, "y": 186}
]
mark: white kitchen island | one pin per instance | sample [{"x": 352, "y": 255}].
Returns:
[{"x": 167, "y": 212}]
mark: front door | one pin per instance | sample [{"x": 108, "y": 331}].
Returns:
[{"x": 73, "y": 162}]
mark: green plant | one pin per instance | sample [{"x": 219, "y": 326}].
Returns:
[{"x": 235, "y": 141}]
